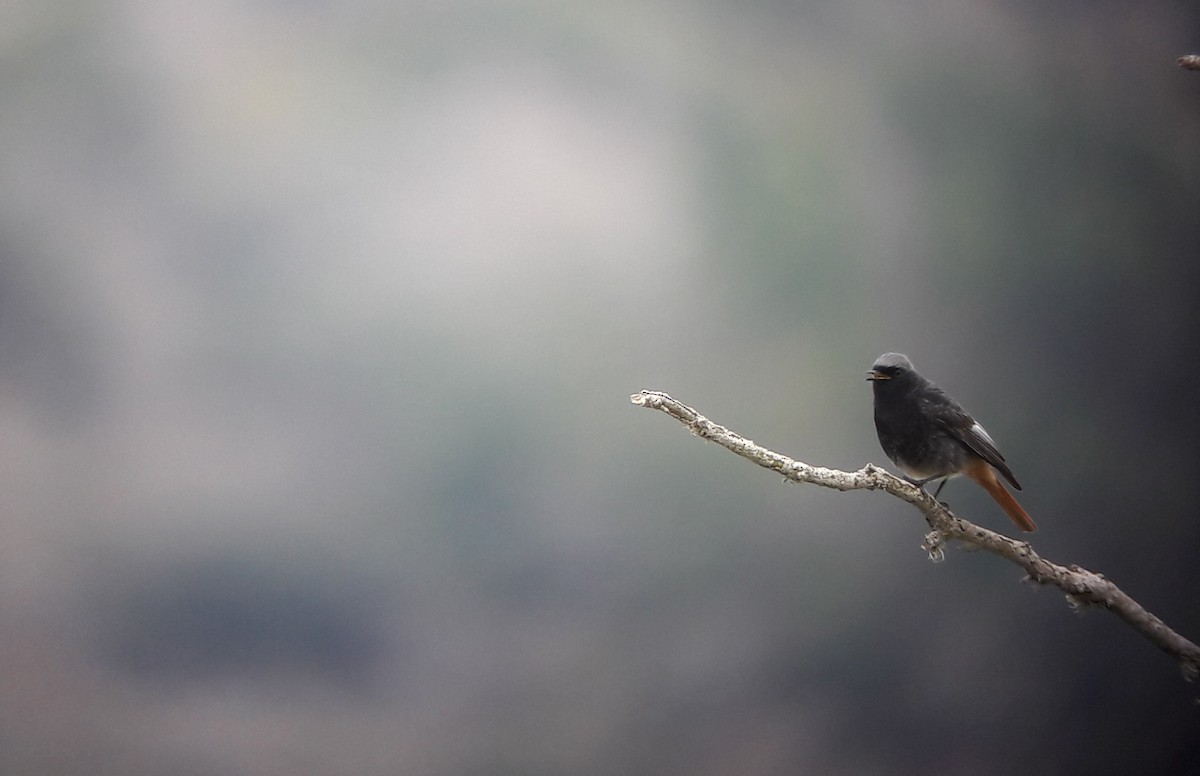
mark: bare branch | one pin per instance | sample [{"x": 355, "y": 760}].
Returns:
[{"x": 1081, "y": 586}]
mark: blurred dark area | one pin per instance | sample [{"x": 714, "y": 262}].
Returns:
[
  {"x": 318, "y": 323},
  {"x": 241, "y": 620}
]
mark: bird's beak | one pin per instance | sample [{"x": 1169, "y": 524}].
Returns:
[{"x": 873, "y": 375}]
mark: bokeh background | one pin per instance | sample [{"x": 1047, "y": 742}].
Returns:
[{"x": 318, "y": 323}]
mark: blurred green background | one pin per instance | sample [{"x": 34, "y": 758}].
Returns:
[{"x": 318, "y": 323}]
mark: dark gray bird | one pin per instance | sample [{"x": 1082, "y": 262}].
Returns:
[{"x": 930, "y": 436}]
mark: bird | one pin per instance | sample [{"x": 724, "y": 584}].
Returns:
[{"x": 930, "y": 436}]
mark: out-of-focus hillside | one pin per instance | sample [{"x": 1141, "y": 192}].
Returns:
[{"x": 317, "y": 324}]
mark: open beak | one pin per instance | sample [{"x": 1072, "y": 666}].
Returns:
[{"x": 873, "y": 375}]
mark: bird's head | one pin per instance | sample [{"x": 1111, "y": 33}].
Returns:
[{"x": 890, "y": 366}]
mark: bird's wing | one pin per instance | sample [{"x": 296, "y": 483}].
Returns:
[{"x": 958, "y": 423}]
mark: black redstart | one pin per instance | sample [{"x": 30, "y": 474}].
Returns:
[{"x": 930, "y": 436}]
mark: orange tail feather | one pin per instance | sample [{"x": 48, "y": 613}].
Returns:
[{"x": 985, "y": 475}]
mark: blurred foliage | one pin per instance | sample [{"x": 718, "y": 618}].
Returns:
[{"x": 317, "y": 324}]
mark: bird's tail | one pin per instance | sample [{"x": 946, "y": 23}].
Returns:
[{"x": 985, "y": 475}]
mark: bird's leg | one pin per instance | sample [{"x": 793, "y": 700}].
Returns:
[{"x": 921, "y": 483}]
